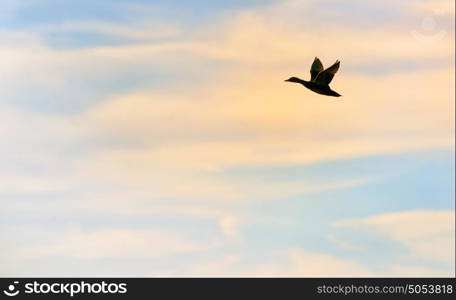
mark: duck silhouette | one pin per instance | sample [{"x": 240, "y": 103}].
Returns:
[{"x": 319, "y": 78}]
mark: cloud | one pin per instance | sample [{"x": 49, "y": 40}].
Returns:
[
  {"x": 219, "y": 267},
  {"x": 229, "y": 225},
  {"x": 298, "y": 263},
  {"x": 302, "y": 263},
  {"x": 141, "y": 32},
  {"x": 427, "y": 234},
  {"x": 438, "y": 7},
  {"x": 292, "y": 263},
  {"x": 308, "y": 264},
  {"x": 95, "y": 244},
  {"x": 246, "y": 40}
]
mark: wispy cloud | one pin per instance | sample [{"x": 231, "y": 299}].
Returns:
[
  {"x": 109, "y": 243},
  {"x": 427, "y": 234}
]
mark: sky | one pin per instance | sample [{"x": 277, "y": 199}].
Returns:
[{"x": 158, "y": 138}]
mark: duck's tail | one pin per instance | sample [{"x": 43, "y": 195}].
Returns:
[{"x": 335, "y": 94}]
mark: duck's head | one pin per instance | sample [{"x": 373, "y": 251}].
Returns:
[{"x": 294, "y": 79}]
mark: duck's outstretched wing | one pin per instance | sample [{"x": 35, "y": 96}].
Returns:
[
  {"x": 325, "y": 76},
  {"x": 316, "y": 68}
]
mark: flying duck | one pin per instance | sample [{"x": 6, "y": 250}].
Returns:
[{"x": 319, "y": 78}]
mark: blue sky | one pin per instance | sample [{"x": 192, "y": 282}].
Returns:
[{"x": 157, "y": 138}]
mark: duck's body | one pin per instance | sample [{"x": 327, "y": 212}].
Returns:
[
  {"x": 319, "y": 78},
  {"x": 315, "y": 87}
]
